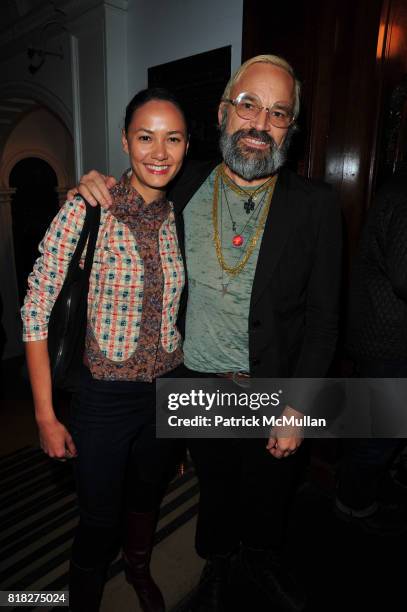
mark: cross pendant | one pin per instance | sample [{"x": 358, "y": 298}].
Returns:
[
  {"x": 224, "y": 290},
  {"x": 249, "y": 205}
]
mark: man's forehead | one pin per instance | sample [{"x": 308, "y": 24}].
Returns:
[{"x": 265, "y": 79}]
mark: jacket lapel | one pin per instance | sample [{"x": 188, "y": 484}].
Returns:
[{"x": 281, "y": 219}]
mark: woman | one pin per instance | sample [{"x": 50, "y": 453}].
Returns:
[{"x": 135, "y": 286}]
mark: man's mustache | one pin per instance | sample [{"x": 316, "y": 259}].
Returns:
[{"x": 253, "y": 133}]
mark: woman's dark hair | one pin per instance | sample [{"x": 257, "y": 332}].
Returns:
[{"x": 147, "y": 95}]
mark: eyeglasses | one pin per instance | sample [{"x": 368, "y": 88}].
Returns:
[{"x": 248, "y": 106}]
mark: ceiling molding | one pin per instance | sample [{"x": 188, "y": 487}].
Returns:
[{"x": 16, "y": 36}]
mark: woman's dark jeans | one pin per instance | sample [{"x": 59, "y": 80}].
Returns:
[{"x": 120, "y": 464}]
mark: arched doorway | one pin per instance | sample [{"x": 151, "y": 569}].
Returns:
[{"x": 33, "y": 206}]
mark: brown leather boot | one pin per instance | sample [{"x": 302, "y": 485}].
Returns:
[{"x": 137, "y": 548}]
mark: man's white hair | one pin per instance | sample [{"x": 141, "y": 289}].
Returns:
[{"x": 275, "y": 60}]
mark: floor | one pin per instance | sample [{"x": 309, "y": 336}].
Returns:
[
  {"x": 341, "y": 567},
  {"x": 38, "y": 512}
]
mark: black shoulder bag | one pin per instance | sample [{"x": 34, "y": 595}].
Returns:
[{"x": 68, "y": 319}]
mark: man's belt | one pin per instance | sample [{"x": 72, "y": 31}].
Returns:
[{"x": 233, "y": 375}]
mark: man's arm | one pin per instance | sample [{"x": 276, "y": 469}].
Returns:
[
  {"x": 322, "y": 306},
  {"x": 94, "y": 187},
  {"x": 321, "y": 315},
  {"x": 396, "y": 250}
]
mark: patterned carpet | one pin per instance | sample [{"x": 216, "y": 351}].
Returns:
[{"x": 38, "y": 514}]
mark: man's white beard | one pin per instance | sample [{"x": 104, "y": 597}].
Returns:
[{"x": 252, "y": 164}]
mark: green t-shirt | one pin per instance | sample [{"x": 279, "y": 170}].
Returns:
[{"x": 217, "y": 335}]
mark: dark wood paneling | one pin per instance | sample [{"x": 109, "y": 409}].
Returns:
[
  {"x": 354, "y": 108},
  {"x": 396, "y": 43},
  {"x": 281, "y": 29},
  {"x": 392, "y": 140},
  {"x": 332, "y": 46}
]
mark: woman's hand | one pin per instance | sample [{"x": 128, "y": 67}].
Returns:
[
  {"x": 55, "y": 440},
  {"x": 94, "y": 187}
]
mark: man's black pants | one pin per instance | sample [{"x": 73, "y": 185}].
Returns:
[
  {"x": 244, "y": 494},
  {"x": 244, "y": 491}
]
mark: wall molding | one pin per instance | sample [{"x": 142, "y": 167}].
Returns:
[
  {"x": 41, "y": 95},
  {"x": 9, "y": 163},
  {"x": 76, "y": 99}
]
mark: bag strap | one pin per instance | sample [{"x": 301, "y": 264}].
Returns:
[
  {"x": 94, "y": 221},
  {"x": 90, "y": 230}
]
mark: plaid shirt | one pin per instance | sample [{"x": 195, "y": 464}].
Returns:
[{"x": 115, "y": 300}]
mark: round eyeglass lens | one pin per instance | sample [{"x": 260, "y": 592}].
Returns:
[{"x": 248, "y": 106}]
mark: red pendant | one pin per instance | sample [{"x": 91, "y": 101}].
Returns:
[{"x": 237, "y": 240}]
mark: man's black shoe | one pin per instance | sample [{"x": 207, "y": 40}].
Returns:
[
  {"x": 212, "y": 586},
  {"x": 267, "y": 572},
  {"x": 379, "y": 519},
  {"x": 400, "y": 476}
]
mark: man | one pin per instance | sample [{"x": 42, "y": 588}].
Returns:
[
  {"x": 263, "y": 250},
  {"x": 377, "y": 341}
]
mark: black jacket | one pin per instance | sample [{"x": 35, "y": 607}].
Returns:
[
  {"x": 377, "y": 328},
  {"x": 294, "y": 303}
]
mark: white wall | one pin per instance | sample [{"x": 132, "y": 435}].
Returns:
[
  {"x": 161, "y": 31},
  {"x": 101, "y": 79},
  {"x": 117, "y": 90},
  {"x": 88, "y": 31}
]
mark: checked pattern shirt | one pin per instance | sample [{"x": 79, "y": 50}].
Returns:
[{"x": 135, "y": 286}]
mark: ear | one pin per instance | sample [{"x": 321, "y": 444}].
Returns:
[
  {"x": 221, "y": 110},
  {"x": 187, "y": 147},
  {"x": 125, "y": 144},
  {"x": 280, "y": 144}
]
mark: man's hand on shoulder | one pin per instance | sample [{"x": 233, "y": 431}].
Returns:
[{"x": 94, "y": 187}]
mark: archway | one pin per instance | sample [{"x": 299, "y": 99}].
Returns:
[
  {"x": 33, "y": 206},
  {"x": 36, "y": 132}
]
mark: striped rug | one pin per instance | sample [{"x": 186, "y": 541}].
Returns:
[{"x": 38, "y": 514}]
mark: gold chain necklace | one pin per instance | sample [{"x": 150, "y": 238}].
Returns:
[
  {"x": 251, "y": 196},
  {"x": 234, "y": 270}
]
